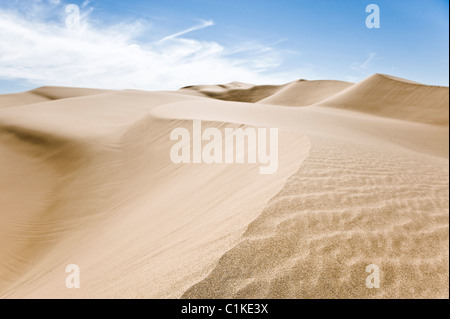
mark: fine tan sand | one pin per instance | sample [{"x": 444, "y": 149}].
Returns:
[{"x": 363, "y": 179}]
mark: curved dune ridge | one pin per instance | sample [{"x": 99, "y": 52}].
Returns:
[{"x": 87, "y": 179}]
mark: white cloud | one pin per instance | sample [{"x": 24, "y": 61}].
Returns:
[{"x": 46, "y": 53}]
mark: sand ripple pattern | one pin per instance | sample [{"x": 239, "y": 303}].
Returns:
[{"x": 347, "y": 207}]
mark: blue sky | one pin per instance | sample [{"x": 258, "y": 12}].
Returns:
[{"x": 167, "y": 44}]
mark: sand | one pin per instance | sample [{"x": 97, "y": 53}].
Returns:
[
  {"x": 363, "y": 179},
  {"x": 44, "y": 94},
  {"x": 303, "y": 93}
]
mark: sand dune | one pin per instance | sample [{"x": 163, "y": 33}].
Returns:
[
  {"x": 372, "y": 191},
  {"x": 393, "y": 97},
  {"x": 302, "y": 93},
  {"x": 363, "y": 179},
  {"x": 380, "y": 94},
  {"x": 90, "y": 179}
]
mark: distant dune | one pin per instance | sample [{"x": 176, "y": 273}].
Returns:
[
  {"x": 380, "y": 94},
  {"x": 235, "y": 91},
  {"x": 302, "y": 93},
  {"x": 363, "y": 179},
  {"x": 43, "y": 94},
  {"x": 393, "y": 97}
]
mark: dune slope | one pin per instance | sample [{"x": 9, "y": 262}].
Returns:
[
  {"x": 89, "y": 181},
  {"x": 373, "y": 190},
  {"x": 336, "y": 216}
]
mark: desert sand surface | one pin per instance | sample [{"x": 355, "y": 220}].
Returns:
[{"x": 363, "y": 179}]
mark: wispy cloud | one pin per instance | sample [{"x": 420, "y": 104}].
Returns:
[
  {"x": 45, "y": 52},
  {"x": 364, "y": 65},
  {"x": 204, "y": 24},
  {"x": 85, "y": 3}
]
